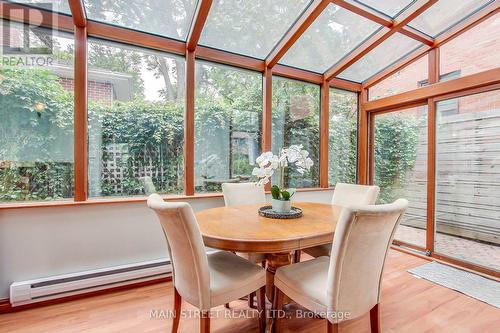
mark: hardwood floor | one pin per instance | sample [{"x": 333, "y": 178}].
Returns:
[{"x": 408, "y": 305}]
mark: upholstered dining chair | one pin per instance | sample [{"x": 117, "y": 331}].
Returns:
[
  {"x": 346, "y": 195},
  {"x": 245, "y": 194},
  {"x": 348, "y": 284},
  {"x": 202, "y": 280}
]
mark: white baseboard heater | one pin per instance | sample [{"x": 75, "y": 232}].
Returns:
[{"x": 26, "y": 292}]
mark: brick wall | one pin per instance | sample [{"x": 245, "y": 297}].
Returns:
[
  {"x": 97, "y": 91},
  {"x": 474, "y": 51}
]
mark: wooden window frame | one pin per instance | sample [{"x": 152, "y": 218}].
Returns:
[
  {"x": 436, "y": 91},
  {"x": 428, "y": 95},
  {"x": 84, "y": 29}
]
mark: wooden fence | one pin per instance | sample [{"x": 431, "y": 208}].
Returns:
[{"x": 468, "y": 177}]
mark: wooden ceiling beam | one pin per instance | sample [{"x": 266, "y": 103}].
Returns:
[
  {"x": 345, "y": 85},
  {"x": 78, "y": 13},
  {"x": 132, "y": 37},
  {"x": 199, "y": 20},
  {"x": 300, "y": 26},
  {"x": 417, "y": 35},
  {"x": 228, "y": 58},
  {"x": 407, "y": 60},
  {"x": 297, "y": 74},
  {"x": 381, "y": 19},
  {"x": 478, "y": 17},
  {"x": 473, "y": 81},
  {"x": 378, "y": 38}
]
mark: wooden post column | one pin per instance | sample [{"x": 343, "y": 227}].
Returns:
[
  {"x": 267, "y": 113},
  {"x": 324, "y": 134},
  {"x": 80, "y": 114},
  {"x": 363, "y": 138},
  {"x": 431, "y": 151},
  {"x": 189, "y": 124}
]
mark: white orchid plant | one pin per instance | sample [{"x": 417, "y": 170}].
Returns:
[{"x": 268, "y": 163}]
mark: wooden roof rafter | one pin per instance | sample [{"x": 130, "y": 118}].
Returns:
[
  {"x": 300, "y": 26},
  {"x": 473, "y": 20},
  {"x": 200, "y": 17},
  {"x": 379, "y": 37},
  {"x": 78, "y": 13},
  {"x": 383, "y": 20}
]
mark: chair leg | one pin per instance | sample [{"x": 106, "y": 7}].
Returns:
[
  {"x": 261, "y": 307},
  {"x": 177, "y": 311},
  {"x": 332, "y": 328},
  {"x": 375, "y": 319},
  {"x": 205, "y": 322},
  {"x": 250, "y": 300},
  {"x": 277, "y": 308},
  {"x": 296, "y": 256}
]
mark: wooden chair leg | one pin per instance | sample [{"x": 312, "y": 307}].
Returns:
[
  {"x": 226, "y": 305},
  {"x": 177, "y": 311},
  {"x": 375, "y": 319},
  {"x": 205, "y": 322},
  {"x": 296, "y": 256},
  {"x": 261, "y": 307},
  {"x": 277, "y": 308},
  {"x": 250, "y": 300},
  {"x": 332, "y": 328}
]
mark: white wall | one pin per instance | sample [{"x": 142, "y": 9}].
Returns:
[{"x": 47, "y": 241}]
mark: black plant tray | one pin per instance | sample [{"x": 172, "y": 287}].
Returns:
[{"x": 267, "y": 211}]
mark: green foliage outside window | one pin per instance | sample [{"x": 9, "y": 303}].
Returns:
[{"x": 45, "y": 131}]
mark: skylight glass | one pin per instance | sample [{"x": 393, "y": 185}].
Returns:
[
  {"x": 168, "y": 18},
  {"x": 389, "y": 7},
  {"x": 445, "y": 14},
  {"x": 57, "y": 6},
  {"x": 391, "y": 50},
  {"x": 249, "y": 27},
  {"x": 332, "y": 36}
]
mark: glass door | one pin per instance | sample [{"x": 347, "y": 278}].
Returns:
[
  {"x": 400, "y": 168},
  {"x": 467, "y": 213}
]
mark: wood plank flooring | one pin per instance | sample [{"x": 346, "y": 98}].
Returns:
[{"x": 408, "y": 305}]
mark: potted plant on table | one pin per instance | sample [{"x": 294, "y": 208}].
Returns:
[{"x": 268, "y": 163}]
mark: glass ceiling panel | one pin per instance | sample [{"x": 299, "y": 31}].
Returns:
[
  {"x": 249, "y": 27},
  {"x": 332, "y": 36},
  {"x": 445, "y": 14},
  {"x": 388, "y": 7},
  {"x": 58, "y": 6},
  {"x": 391, "y": 50},
  {"x": 168, "y": 18}
]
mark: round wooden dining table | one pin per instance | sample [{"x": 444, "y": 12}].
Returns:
[{"x": 240, "y": 228}]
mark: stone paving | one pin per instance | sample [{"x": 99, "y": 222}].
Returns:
[{"x": 486, "y": 255}]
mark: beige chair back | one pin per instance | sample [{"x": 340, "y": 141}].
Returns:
[
  {"x": 187, "y": 251},
  {"x": 360, "y": 245},
  {"x": 352, "y": 194},
  {"x": 243, "y": 194}
]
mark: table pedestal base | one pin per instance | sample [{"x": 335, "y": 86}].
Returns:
[{"x": 274, "y": 261}]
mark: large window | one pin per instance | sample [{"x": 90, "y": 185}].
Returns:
[
  {"x": 400, "y": 158},
  {"x": 468, "y": 180},
  {"x": 228, "y": 122},
  {"x": 36, "y": 113},
  {"x": 136, "y": 120},
  {"x": 342, "y": 142},
  {"x": 296, "y": 110},
  {"x": 408, "y": 78}
]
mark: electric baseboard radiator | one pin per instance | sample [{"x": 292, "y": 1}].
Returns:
[{"x": 26, "y": 292}]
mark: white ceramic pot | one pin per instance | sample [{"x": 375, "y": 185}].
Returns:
[{"x": 281, "y": 206}]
